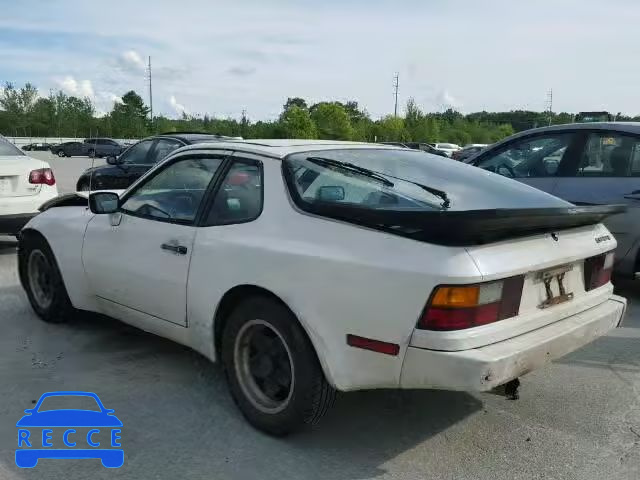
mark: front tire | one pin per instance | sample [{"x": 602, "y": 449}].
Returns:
[
  {"x": 272, "y": 369},
  {"x": 61, "y": 153},
  {"x": 43, "y": 282}
]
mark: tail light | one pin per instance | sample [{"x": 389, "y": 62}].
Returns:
[
  {"x": 42, "y": 176},
  {"x": 597, "y": 270},
  {"x": 456, "y": 307}
]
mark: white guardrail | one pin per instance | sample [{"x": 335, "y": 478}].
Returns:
[{"x": 20, "y": 141}]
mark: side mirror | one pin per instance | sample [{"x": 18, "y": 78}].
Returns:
[
  {"x": 112, "y": 160},
  {"x": 104, "y": 202},
  {"x": 330, "y": 193}
]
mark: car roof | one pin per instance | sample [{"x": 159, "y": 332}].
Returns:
[
  {"x": 280, "y": 148},
  {"x": 191, "y": 137},
  {"x": 629, "y": 127}
]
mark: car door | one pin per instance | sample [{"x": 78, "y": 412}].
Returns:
[
  {"x": 137, "y": 260},
  {"x": 131, "y": 165},
  {"x": 607, "y": 171},
  {"x": 537, "y": 160}
]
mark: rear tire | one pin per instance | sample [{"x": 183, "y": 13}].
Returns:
[
  {"x": 272, "y": 369},
  {"x": 92, "y": 153},
  {"x": 42, "y": 281},
  {"x": 82, "y": 186}
]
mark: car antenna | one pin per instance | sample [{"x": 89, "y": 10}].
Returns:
[{"x": 93, "y": 161}]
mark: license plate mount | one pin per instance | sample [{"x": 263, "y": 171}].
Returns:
[{"x": 553, "y": 281}]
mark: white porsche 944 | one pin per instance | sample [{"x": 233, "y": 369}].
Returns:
[{"x": 310, "y": 267}]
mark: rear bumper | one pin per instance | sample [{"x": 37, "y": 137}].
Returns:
[
  {"x": 482, "y": 369},
  {"x": 12, "y": 224}
]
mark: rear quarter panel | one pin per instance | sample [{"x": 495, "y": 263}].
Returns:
[{"x": 336, "y": 278}]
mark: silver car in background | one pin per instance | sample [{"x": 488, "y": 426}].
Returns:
[{"x": 584, "y": 163}]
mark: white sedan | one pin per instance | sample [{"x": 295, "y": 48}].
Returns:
[
  {"x": 311, "y": 267},
  {"x": 25, "y": 184}
]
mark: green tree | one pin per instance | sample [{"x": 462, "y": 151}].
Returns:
[
  {"x": 129, "y": 117},
  {"x": 296, "y": 123},
  {"x": 295, "y": 102},
  {"x": 332, "y": 121}
]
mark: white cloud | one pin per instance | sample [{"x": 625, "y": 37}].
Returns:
[
  {"x": 445, "y": 100},
  {"x": 179, "y": 108},
  {"x": 131, "y": 60},
  {"x": 263, "y": 52},
  {"x": 77, "y": 88}
]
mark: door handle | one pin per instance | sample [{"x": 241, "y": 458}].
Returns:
[{"x": 177, "y": 249}]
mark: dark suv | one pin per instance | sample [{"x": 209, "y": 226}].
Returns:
[{"x": 121, "y": 171}]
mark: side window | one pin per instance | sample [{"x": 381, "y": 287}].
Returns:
[
  {"x": 137, "y": 153},
  {"x": 239, "y": 198},
  {"x": 175, "y": 192},
  {"x": 163, "y": 147},
  {"x": 610, "y": 154},
  {"x": 539, "y": 156}
]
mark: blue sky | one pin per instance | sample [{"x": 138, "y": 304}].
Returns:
[{"x": 221, "y": 57}]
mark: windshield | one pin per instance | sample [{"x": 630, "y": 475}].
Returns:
[
  {"x": 465, "y": 187},
  {"x": 8, "y": 149},
  {"x": 367, "y": 178}
]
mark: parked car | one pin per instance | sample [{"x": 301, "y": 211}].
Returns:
[
  {"x": 586, "y": 164},
  {"x": 425, "y": 147},
  {"x": 447, "y": 148},
  {"x": 40, "y": 147},
  {"x": 69, "y": 149},
  {"x": 121, "y": 171},
  {"x": 25, "y": 184},
  {"x": 468, "y": 151},
  {"x": 308, "y": 267},
  {"x": 102, "y": 147}
]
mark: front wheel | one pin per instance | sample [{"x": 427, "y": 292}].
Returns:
[
  {"x": 272, "y": 369},
  {"x": 61, "y": 153},
  {"x": 43, "y": 282}
]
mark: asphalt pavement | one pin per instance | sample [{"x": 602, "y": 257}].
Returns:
[{"x": 579, "y": 418}]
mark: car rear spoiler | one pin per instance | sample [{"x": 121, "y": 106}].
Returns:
[{"x": 468, "y": 227}]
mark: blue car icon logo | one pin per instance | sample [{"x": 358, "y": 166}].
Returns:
[{"x": 69, "y": 432}]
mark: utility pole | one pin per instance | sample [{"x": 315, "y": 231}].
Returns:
[
  {"x": 550, "y": 104},
  {"x": 395, "y": 86},
  {"x": 150, "y": 95}
]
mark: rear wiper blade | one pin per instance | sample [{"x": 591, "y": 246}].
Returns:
[
  {"x": 446, "y": 203},
  {"x": 350, "y": 167}
]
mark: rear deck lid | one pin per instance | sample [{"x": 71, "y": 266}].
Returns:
[{"x": 14, "y": 176}]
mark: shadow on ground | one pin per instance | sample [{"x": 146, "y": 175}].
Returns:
[{"x": 179, "y": 418}]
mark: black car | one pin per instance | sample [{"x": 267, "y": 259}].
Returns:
[
  {"x": 39, "y": 147},
  {"x": 102, "y": 147},
  {"x": 69, "y": 149},
  {"x": 121, "y": 171}
]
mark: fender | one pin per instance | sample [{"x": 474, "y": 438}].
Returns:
[{"x": 63, "y": 229}]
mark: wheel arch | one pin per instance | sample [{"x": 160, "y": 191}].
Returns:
[{"x": 234, "y": 296}]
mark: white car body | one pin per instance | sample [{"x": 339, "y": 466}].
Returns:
[
  {"x": 447, "y": 148},
  {"x": 337, "y": 278},
  {"x": 20, "y": 199}
]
